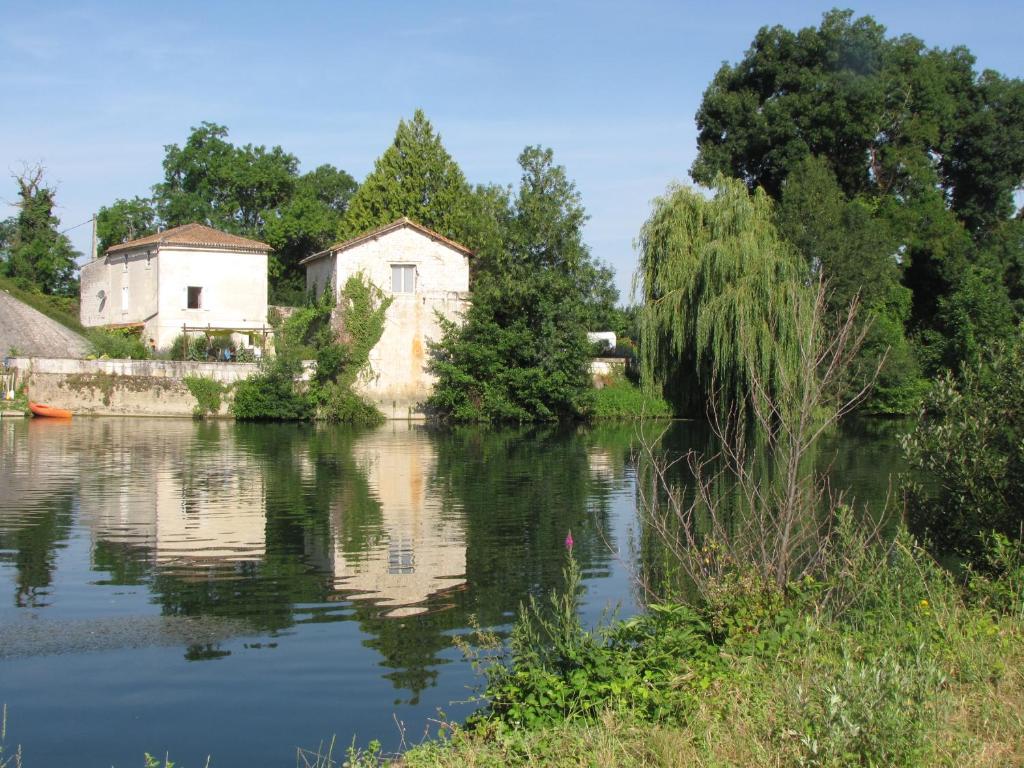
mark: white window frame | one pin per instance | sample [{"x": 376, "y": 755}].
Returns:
[{"x": 408, "y": 279}]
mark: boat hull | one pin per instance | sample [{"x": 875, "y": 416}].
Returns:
[{"x": 48, "y": 411}]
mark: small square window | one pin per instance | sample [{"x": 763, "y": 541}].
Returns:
[
  {"x": 195, "y": 297},
  {"x": 403, "y": 278}
]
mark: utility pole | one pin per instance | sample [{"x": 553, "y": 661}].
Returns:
[{"x": 94, "y": 237}]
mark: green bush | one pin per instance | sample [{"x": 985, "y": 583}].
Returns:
[
  {"x": 188, "y": 348},
  {"x": 968, "y": 448},
  {"x": 207, "y": 393},
  {"x": 622, "y": 400},
  {"x": 118, "y": 343},
  {"x": 269, "y": 396}
]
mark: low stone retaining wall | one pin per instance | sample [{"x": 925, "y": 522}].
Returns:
[{"x": 122, "y": 387}]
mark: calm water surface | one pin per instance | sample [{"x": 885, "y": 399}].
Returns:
[{"x": 242, "y": 590}]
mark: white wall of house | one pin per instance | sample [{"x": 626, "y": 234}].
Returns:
[
  {"x": 121, "y": 288},
  {"x": 151, "y": 285},
  {"x": 233, "y": 291},
  {"x": 398, "y": 381}
]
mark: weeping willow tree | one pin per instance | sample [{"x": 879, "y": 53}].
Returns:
[{"x": 722, "y": 293}]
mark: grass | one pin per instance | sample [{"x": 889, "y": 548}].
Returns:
[
  {"x": 621, "y": 400},
  {"x": 892, "y": 663}
]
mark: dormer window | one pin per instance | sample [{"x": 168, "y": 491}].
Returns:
[{"x": 403, "y": 278}]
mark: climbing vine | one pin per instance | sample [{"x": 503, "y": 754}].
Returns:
[
  {"x": 207, "y": 393},
  {"x": 278, "y": 392}
]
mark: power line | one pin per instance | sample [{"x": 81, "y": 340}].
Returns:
[{"x": 87, "y": 221}]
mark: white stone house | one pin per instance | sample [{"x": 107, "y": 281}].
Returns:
[
  {"x": 190, "y": 275},
  {"x": 427, "y": 275}
]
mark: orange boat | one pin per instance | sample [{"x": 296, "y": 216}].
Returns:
[{"x": 48, "y": 411}]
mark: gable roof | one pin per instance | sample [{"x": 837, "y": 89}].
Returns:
[
  {"x": 195, "y": 235},
  {"x": 387, "y": 229}
]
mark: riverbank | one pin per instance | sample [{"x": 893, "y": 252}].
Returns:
[{"x": 891, "y": 663}]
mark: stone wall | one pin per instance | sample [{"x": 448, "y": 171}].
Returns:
[{"x": 122, "y": 387}]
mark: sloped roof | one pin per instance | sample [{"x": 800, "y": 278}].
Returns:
[
  {"x": 385, "y": 230},
  {"x": 195, "y": 235}
]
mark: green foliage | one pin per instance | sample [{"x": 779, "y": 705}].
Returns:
[
  {"x": 277, "y": 393},
  {"x": 721, "y": 295},
  {"x": 248, "y": 190},
  {"x": 124, "y": 220},
  {"x": 269, "y": 396},
  {"x": 865, "y": 667},
  {"x": 998, "y": 582},
  {"x": 928, "y": 148},
  {"x": 620, "y": 399},
  {"x": 207, "y": 393},
  {"x": 118, "y": 343},
  {"x": 891, "y": 115},
  {"x": 521, "y": 354},
  {"x": 969, "y": 445},
  {"x": 416, "y": 178},
  {"x": 188, "y": 348},
  {"x": 851, "y": 247},
  {"x": 32, "y": 249}
]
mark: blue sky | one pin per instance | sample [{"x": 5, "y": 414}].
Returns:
[{"x": 93, "y": 91}]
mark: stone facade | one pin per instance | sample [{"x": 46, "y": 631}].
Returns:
[
  {"x": 190, "y": 275},
  {"x": 426, "y": 275}
]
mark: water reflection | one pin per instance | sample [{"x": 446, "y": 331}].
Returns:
[
  {"x": 417, "y": 547},
  {"x": 325, "y": 568},
  {"x": 182, "y": 503}
]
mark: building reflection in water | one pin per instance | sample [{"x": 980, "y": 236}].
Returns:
[
  {"x": 416, "y": 548},
  {"x": 186, "y": 500}
]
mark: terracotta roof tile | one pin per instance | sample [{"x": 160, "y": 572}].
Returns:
[
  {"x": 386, "y": 229},
  {"x": 195, "y": 235}
]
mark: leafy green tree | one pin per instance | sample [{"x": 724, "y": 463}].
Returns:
[
  {"x": 248, "y": 190},
  {"x": 852, "y": 249},
  {"x": 721, "y": 291},
  {"x": 416, "y": 178},
  {"x": 37, "y": 254},
  {"x": 307, "y": 223},
  {"x": 932, "y": 148},
  {"x": 968, "y": 451},
  {"x": 522, "y": 353},
  {"x": 209, "y": 180},
  {"x": 124, "y": 220}
]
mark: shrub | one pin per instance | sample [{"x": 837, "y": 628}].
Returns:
[
  {"x": 269, "y": 396},
  {"x": 620, "y": 399},
  {"x": 969, "y": 447},
  {"x": 118, "y": 343},
  {"x": 188, "y": 348},
  {"x": 207, "y": 393}
]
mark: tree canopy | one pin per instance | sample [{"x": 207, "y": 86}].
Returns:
[
  {"x": 896, "y": 166},
  {"x": 248, "y": 190},
  {"x": 416, "y": 178},
  {"x": 33, "y": 250},
  {"x": 721, "y": 290},
  {"x": 522, "y": 354}
]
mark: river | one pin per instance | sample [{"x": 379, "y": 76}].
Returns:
[{"x": 243, "y": 590}]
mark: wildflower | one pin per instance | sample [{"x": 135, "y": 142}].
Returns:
[
  {"x": 568, "y": 541},
  {"x": 924, "y": 603}
]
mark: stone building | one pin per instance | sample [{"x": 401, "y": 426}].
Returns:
[
  {"x": 190, "y": 275},
  {"x": 427, "y": 275}
]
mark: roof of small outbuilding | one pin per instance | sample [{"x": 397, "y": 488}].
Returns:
[
  {"x": 373, "y": 234},
  {"x": 195, "y": 236}
]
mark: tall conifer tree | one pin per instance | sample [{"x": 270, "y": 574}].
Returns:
[{"x": 416, "y": 178}]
